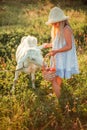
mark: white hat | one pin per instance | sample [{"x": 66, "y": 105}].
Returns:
[{"x": 56, "y": 15}]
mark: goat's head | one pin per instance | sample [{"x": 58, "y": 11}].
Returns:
[
  {"x": 28, "y": 50},
  {"x": 35, "y": 56},
  {"x": 30, "y": 40}
]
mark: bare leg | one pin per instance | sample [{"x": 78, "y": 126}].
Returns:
[{"x": 56, "y": 83}]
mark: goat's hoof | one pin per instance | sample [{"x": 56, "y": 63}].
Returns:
[
  {"x": 33, "y": 87},
  {"x": 12, "y": 91}
]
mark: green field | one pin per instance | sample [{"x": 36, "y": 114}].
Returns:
[{"x": 39, "y": 109}]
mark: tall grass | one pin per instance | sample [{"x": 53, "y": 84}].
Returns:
[{"x": 39, "y": 109}]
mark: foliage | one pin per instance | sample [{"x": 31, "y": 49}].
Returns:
[{"x": 39, "y": 109}]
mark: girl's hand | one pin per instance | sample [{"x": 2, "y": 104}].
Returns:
[
  {"x": 45, "y": 45},
  {"x": 52, "y": 53}
]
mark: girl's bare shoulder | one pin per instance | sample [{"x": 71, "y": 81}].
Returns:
[{"x": 67, "y": 29}]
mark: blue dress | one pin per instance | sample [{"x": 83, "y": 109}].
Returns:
[{"x": 66, "y": 62}]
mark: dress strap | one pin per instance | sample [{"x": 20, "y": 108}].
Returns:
[{"x": 67, "y": 26}]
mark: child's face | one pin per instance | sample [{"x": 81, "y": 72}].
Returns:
[{"x": 56, "y": 25}]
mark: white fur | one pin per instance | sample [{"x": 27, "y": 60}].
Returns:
[{"x": 29, "y": 58}]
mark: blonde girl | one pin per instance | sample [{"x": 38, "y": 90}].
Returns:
[{"x": 63, "y": 48}]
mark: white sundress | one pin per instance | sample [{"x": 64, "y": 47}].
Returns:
[{"x": 66, "y": 62}]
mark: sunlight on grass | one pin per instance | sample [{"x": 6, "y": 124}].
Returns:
[{"x": 39, "y": 109}]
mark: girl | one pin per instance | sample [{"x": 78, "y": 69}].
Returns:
[{"x": 63, "y": 48}]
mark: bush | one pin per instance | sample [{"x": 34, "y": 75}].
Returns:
[{"x": 28, "y": 109}]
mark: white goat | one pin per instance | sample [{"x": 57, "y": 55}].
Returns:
[{"x": 29, "y": 58}]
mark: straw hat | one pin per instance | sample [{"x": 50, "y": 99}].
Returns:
[{"x": 56, "y": 15}]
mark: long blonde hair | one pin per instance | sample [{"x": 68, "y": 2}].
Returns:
[{"x": 61, "y": 27}]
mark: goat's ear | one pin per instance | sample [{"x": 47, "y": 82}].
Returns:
[{"x": 22, "y": 39}]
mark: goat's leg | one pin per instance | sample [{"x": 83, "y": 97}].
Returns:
[
  {"x": 33, "y": 79},
  {"x": 15, "y": 80}
]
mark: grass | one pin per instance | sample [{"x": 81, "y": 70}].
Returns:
[
  {"x": 39, "y": 109},
  {"x": 23, "y": 15}
]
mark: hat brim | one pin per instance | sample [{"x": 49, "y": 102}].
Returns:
[{"x": 55, "y": 21}]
